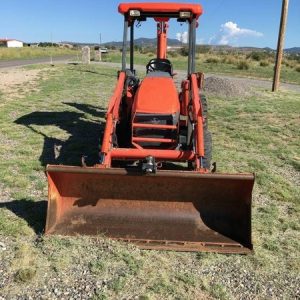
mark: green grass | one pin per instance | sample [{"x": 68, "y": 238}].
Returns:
[
  {"x": 59, "y": 121},
  {"x": 222, "y": 64},
  {"x": 28, "y": 52},
  {"x": 269, "y": 128}
]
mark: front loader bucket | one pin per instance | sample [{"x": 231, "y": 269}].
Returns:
[{"x": 169, "y": 210}]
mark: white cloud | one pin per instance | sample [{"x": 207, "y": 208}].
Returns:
[
  {"x": 182, "y": 37},
  {"x": 230, "y": 33}
]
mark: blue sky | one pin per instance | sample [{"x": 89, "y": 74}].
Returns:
[{"x": 232, "y": 22}]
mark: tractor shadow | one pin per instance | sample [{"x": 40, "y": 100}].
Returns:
[
  {"x": 84, "y": 133},
  {"x": 33, "y": 212},
  {"x": 84, "y": 136}
]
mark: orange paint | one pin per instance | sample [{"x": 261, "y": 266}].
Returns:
[
  {"x": 156, "y": 95},
  {"x": 152, "y": 7},
  {"x": 115, "y": 99}
]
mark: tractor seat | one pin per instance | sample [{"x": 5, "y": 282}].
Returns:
[{"x": 159, "y": 67}]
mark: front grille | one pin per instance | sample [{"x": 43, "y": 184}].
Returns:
[
  {"x": 156, "y": 119},
  {"x": 159, "y": 133}
]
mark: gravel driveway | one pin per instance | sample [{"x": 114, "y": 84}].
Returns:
[{"x": 250, "y": 82}]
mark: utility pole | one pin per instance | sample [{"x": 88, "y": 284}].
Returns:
[
  {"x": 281, "y": 35},
  {"x": 100, "y": 54},
  {"x": 51, "y": 60}
]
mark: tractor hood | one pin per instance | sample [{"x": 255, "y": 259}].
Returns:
[{"x": 156, "y": 95}]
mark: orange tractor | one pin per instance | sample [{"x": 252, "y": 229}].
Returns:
[{"x": 153, "y": 185}]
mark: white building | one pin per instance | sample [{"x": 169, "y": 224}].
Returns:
[{"x": 11, "y": 43}]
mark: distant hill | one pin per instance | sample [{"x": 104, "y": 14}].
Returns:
[
  {"x": 151, "y": 42},
  {"x": 229, "y": 48},
  {"x": 145, "y": 42},
  {"x": 293, "y": 50},
  {"x": 80, "y": 44}
]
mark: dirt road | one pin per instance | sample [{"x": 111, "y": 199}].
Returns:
[{"x": 40, "y": 60}]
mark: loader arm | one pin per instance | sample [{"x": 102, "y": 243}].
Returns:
[
  {"x": 112, "y": 117},
  {"x": 196, "y": 108}
]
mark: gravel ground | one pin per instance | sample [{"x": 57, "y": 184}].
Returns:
[
  {"x": 15, "y": 81},
  {"x": 81, "y": 279},
  {"x": 85, "y": 268},
  {"x": 225, "y": 88}
]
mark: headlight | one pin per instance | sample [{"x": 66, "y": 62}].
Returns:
[
  {"x": 184, "y": 14},
  {"x": 134, "y": 13}
]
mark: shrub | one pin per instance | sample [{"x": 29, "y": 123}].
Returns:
[
  {"x": 243, "y": 65},
  {"x": 264, "y": 63},
  {"x": 184, "y": 51},
  {"x": 298, "y": 69},
  {"x": 172, "y": 54},
  {"x": 137, "y": 48},
  {"x": 106, "y": 59},
  {"x": 25, "y": 274},
  {"x": 146, "y": 50},
  {"x": 47, "y": 44},
  {"x": 203, "y": 48},
  {"x": 255, "y": 56},
  {"x": 294, "y": 64},
  {"x": 258, "y": 56},
  {"x": 287, "y": 63},
  {"x": 271, "y": 60},
  {"x": 213, "y": 60},
  {"x": 293, "y": 56},
  {"x": 231, "y": 60}
]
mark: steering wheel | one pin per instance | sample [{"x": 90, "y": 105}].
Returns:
[
  {"x": 150, "y": 67},
  {"x": 155, "y": 64}
]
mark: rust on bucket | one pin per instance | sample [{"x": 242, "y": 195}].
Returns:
[{"x": 169, "y": 210}]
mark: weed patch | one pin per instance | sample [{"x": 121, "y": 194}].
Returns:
[
  {"x": 243, "y": 65},
  {"x": 117, "y": 284},
  {"x": 25, "y": 274}
]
